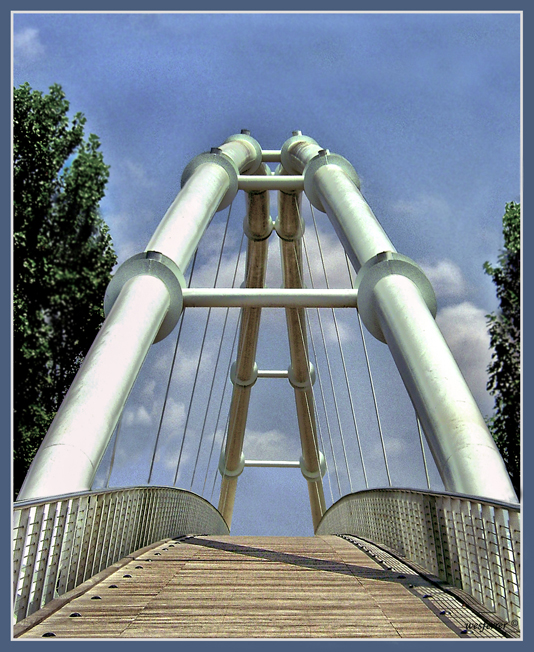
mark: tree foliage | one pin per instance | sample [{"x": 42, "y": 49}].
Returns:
[
  {"x": 62, "y": 259},
  {"x": 505, "y": 335}
]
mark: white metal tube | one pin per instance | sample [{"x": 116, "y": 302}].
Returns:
[
  {"x": 182, "y": 226},
  {"x": 268, "y": 298},
  {"x": 466, "y": 456},
  {"x": 301, "y": 152},
  {"x": 271, "y": 155},
  {"x": 242, "y": 152},
  {"x": 463, "y": 449},
  {"x": 71, "y": 451},
  {"x": 273, "y": 373},
  {"x": 274, "y": 182},
  {"x": 280, "y": 464},
  {"x": 355, "y": 223},
  {"x": 74, "y": 445}
]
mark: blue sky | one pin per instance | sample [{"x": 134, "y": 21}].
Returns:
[{"x": 427, "y": 109}]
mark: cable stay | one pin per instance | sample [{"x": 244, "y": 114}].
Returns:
[
  {"x": 217, "y": 366},
  {"x": 419, "y": 430},
  {"x": 171, "y": 370},
  {"x": 342, "y": 355},
  {"x": 218, "y": 353},
  {"x": 375, "y": 402},
  {"x": 326, "y": 352}
]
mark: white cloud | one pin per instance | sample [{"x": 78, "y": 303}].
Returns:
[
  {"x": 464, "y": 328},
  {"x": 333, "y": 329},
  {"x": 174, "y": 414},
  {"x": 27, "y": 44},
  {"x": 138, "y": 416},
  {"x": 425, "y": 208},
  {"x": 446, "y": 278},
  {"x": 270, "y": 445},
  {"x": 135, "y": 173}
]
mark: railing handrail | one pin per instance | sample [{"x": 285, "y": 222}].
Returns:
[
  {"x": 514, "y": 507},
  {"x": 470, "y": 542},
  {"x": 61, "y": 541},
  {"x": 33, "y": 502}
]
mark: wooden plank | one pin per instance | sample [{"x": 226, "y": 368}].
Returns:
[{"x": 250, "y": 587}]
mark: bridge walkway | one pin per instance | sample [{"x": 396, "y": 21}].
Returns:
[{"x": 240, "y": 587}]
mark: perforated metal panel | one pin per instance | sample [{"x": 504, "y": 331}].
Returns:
[
  {"x": 470, "y": 543},
  {"x": 60, "y": 543}
]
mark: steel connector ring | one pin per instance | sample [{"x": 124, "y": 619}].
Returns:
[
  {"x": 378, "y": 267},
  {"x": 150, "y": 263}
]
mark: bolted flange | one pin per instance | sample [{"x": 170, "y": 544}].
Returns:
[
  {"x": 301, "y": 385},
  {"x": 219, "y": 158},
  {"x": 325, "y": 158},
  {"x": 255, "y": 237},
  {"x": 285, "y": 156},
  {"x": 150, "y": 263},
  {"x": 245, "y": 136},
  {"x": 378, "y": 267}
]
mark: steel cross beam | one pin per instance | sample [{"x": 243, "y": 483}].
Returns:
[{"x": 268, "y": 298}]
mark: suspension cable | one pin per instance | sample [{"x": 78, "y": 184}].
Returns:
[
  {"x": 371, "y": 382},
  {"x": 321, "y": 390},
  {"x": 307, "y": 357},
  {"x": 218, "y": 354},
  {"x": 200, "y": 356},
  {"x": 422, "y": 450},
  {"x": 227, "y": 371},
  {"x": 349, "y": 392},
  {"x": 170, "y": 374},
  {"x": 112, "y": 461}
]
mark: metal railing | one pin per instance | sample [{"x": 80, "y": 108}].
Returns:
[
  {"x": 60, "y": 542},
  {"x": 470, "y": 543}
]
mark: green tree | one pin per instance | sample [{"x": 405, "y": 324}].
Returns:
[
  {"x": 62, "y": 259},
  {"x": 505, "y": 335}
]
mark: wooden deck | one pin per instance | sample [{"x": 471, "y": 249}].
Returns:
[{"x": 255, "y": 587}]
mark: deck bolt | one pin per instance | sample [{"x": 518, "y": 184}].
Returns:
[
  {"x": 48, "y": 635},
  {"x": 127, "y": 575},
  {"x": 75, "y": 614},
  {"x": 112, "y": 586},
  {"x": 96, "y": 597}
]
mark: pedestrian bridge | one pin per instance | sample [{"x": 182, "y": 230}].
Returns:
[{"x": 95, "y": 560}]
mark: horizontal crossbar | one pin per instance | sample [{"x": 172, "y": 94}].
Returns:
[
  {"x": 273, "y": 182},
  {"x": 273, "y": 463},
  {"x": 268, "y": 298}
]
